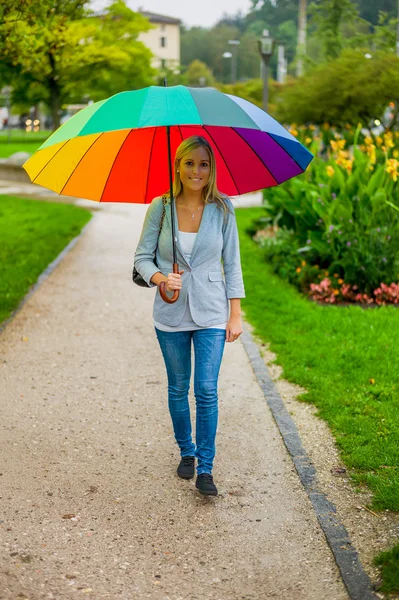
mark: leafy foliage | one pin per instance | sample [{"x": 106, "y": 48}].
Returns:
[
  {"x": 328, "y": 17},
  {"x": 198, "y": 73},
  {"x": 64, "y": 52},
  {"x": 340, "y": 219},
  {"x": 349, "y": 89}
]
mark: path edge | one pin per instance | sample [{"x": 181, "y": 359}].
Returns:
[{"x": 356, "y": 580}]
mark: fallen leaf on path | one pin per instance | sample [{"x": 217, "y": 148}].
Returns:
[{"x": 338, "y": 470}]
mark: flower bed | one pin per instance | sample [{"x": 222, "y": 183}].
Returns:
[{"x": 334, "y": 231}]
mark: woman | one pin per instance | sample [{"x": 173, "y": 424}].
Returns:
[{"x": 207, "y": 235}]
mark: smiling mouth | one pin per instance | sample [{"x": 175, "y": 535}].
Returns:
[{"x": 195, "y": 178}]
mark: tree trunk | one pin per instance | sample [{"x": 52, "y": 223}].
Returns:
[
  {"x": 301, "y": 48},
  {"x": 55, "y": 104},
  {"x": 55, "y": 94}
]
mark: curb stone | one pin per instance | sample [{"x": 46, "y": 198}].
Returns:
[{"x": 355, "y": 579}]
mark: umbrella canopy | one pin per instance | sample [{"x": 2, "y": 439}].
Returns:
[{"x": 115, "y": 150}]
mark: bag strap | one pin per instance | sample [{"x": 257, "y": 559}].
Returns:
[{"x": 164, "y": 203}]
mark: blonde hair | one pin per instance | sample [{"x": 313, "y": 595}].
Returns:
[{"x": 210, "y": 192}]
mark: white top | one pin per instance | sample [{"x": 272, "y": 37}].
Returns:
[{"x": 186, "y": 241}]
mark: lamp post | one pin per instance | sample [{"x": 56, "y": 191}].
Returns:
[
  {"x": 227, "y": 55},
  {"x": 266, "y": 46},
  {"x": 235, "y": 44}
]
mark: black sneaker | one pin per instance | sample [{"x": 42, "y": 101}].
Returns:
[
  {"x": 205, "y": 485},
  {"x": 185, "y": 470}
]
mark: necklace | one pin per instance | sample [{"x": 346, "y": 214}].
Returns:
[{"x": 195, "y": 212}]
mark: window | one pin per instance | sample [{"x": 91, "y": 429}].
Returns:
[
  {"x": 163, "y": 42},
  {"x": 163, "y": 63}
]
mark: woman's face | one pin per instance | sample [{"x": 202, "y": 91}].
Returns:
[{"x": 194, "y": 169}]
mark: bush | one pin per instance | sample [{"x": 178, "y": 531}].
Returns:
[
  {"x": 349, "y": 89},
  {"x": 340, "y": 218}
]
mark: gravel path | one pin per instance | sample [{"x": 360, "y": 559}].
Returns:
[{"x": 90, "y": 505}]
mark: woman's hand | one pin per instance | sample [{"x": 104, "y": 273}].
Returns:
[
  {"x": 174, "y": 281},
  {"x": 233, "y": 329}
]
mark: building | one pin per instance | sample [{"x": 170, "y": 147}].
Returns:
[{"x": 163, "y": 40}]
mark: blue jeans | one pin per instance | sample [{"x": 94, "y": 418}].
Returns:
[{"x": 208, "y": 352}]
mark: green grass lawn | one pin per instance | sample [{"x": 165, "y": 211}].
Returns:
[
  {"x": 389, "y": 564},
  {"x": 347, "y": 358},
  {"x": 32, "y": 234},
  {"x": 21, "y": 141}
]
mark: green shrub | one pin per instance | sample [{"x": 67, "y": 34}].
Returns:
[
  {"x": 349, "y": 89},
  {"x": 340, "y": 217}
]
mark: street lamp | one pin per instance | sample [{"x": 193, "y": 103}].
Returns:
[
  {"x": 266, "y": 46},
  {"x": 227, "y": 55},
  {"x": 235, "y": 44}
]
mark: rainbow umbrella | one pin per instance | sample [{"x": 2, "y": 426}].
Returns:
[{"x": 116, "y": 150}]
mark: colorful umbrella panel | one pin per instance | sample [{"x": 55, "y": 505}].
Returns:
[{"x": 114, "y": 150}]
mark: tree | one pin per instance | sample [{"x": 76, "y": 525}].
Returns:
[
  {"x": 273, "y": 12},
  {"x": 65, "y": 52},
  {"x": 302, "y": 19},
  {"x": 370, "y": 9},
  {"x": 382, "y": 38},
  {"x": 328, "y": 17},
  {"x": 348, "y": 89},
  {"x": 198, "y": 74},
  {"x": 194, "y": 45}
]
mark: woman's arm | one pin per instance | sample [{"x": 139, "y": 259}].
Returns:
[
  {"x": 234, "y": 325},
  {"x": 145, "y": 252},
  {"x": 231, "y": 256},
  {"x": 233, "y": 274}
]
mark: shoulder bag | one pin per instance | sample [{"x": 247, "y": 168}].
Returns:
[{"x": 137, "y": 278}]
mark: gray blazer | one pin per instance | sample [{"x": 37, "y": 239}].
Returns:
[{"x": 207, "y": 286}]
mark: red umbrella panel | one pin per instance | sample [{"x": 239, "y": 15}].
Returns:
[{"x": 129, "y": 165}]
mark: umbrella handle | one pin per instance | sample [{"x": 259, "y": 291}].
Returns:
[{"x": 162, "y": 289}]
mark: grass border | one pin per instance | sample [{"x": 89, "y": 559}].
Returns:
[{"x": 43, "y": 276}]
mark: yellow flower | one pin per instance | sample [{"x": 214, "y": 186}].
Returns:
[
  {"x": 312, "y": 127},
  {"x": 336, "y": 275},
  {"x": 338, "y": 145},
  {"x": 303, "y": 263},
  {"x": 340, "y": 281},
  {"x": 298, "y": 270},
  {"x": 326, "y": 273},
  {"x": 308, "y": 140},
  {"x": 388, "y": 139},
  {"x": 330, "y": 171},
  {"x": 326, "y": 126},
  {"x": 392, "y": 168},
  {"x": 395, "y": 153},
  {"x": 344, "y": 161},
  {"x": 379, "y": 141},
  {"x": 368, "y": 141},
  {"x": 293, "y": 132},
  {"x": 371, "y": 151},
  {"x": 336, "y": 292}
]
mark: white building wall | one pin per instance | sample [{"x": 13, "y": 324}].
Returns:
[{"x": 169, "y": 54}]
